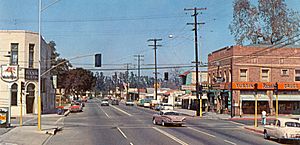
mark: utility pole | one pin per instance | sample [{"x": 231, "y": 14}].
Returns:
[
  {"x": 139, "y": 69},
  {"x": 127, "y": 81},
  {"x": 155, "y": 62},
  {"x": 199, "y": 106}
]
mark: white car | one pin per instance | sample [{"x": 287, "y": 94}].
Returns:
[
  {"x": 283, "y": 128},
  {"x": 129, "y": 103},
  {"x": 166, "y": 106}
]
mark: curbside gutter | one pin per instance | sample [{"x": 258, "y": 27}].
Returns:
[{"x": 254, "y": 129}]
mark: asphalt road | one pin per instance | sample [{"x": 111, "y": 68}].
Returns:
[{"x": 124, "y": 125}]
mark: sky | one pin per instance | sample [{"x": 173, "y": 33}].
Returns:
[{"x": 119, "y": 29}]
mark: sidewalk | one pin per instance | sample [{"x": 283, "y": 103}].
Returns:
[{"x": 28, "y": 134}]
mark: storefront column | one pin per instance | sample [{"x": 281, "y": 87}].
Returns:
[{"x": 272, "y": 109}]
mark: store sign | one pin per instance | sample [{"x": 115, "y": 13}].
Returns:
[
  {"x": 31, "y": 74},
  {"x": 9, "y": 73},
  {"x": 265, "y": 86},
  {"x": 188, "y": 87}
]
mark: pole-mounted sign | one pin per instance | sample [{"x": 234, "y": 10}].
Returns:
[{"x": 9, "y": 73}]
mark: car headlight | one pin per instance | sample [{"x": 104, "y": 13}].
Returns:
[
  {"x": 183, "y": 120},
  {"x": 168, "y": 119}
]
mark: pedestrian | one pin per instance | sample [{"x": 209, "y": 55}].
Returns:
[{"x": 264, "y": 117}]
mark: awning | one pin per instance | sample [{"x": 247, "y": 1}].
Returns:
[
  {"x": 189, "y": 96},
  {"x": 266, "y": 98}
]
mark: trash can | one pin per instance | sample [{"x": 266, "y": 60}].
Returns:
[{"x": 4, "y": 117}]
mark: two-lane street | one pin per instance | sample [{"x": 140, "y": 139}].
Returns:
[{"x": 122, "y": 124}]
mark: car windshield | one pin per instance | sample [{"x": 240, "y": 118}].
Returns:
[
  {"x": 292, "y": 124},
  {"x": 171, "y": 113}
]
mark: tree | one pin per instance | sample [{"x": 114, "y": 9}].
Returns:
[
  {"x": 78, "y": 81},
  {"x": 61, "y": 65},
  {"x": 270, "y": 22}
]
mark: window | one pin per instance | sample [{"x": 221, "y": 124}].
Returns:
[
  {"x": 14, "y": 53},
  {"x": 14, "y": 95},
  {"x": 243, "y": 75},
  {"x": 297, "y": 75},
  {"x": 31, "y": 55},
  {"x": 284, "y": 72},
  {"x": 265, "y": 75}
]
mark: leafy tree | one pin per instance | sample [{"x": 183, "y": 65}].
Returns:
[
  {"x": 61, "y": 65},
  {"x": 78, "y": 81},
  {"x": 270, "y": 22}
]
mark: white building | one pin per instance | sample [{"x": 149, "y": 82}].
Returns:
[{"x": 19, "y": 57}]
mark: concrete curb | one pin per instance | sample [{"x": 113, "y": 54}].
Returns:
[
  {"x": 53, "y": 131},
  {"x": 254, "y": 130}
]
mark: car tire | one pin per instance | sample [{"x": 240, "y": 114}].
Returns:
[
  {"x": 266, "y": 136},
  {"x": 154, "y": 122},
  {"x": 163, "y": 123}
]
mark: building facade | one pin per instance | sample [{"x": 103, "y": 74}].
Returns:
[
  {"x": 19, "y": 51},
  {"x": 189, "y": 100},
  {"x": 234, "y": 71}
]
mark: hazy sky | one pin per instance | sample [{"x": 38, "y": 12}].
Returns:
[{"x": 119, "y": 29}]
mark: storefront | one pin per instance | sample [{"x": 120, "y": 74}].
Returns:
[{"x": 288, "y": 97}]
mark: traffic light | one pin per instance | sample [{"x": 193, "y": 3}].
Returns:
[
  {"x": 255, "y": 88},
  {"x": 22, "y": 86},
  {"x": 276, "y": 88},
  {"x": 166, "y": 76},
  {"x": 97, "y": 60}
]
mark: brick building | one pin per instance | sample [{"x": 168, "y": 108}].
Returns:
[{"x": 261, "y": 64}]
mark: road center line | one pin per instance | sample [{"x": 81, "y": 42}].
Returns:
[
  {"x": 122, "y": 132},
  {"x": 170, "y": 136},
  {"x": 103, "y": 111},
  {"x": 121, "y": 110},
  {"x": 201, "y": 132},
  {"x": 229, "y": 142}
]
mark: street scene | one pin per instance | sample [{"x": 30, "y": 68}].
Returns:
[{"x": 151, "y": 72}]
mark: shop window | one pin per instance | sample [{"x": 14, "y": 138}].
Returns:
[
  {"x": 265, "y": 75},
  {"x": 14, "y": 95},
  {"x": 243, "y": 75},
  {"x": 297, "y": 75}
]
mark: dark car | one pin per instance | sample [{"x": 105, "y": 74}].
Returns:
[{"x": 115, "y": 102}]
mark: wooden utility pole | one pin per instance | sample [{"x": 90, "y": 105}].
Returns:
[
  {"x": 139, "y": 69},
  {"x": 199, "y": 106},
  {"x": 155, "y": 62}
]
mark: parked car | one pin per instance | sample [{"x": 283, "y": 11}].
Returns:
[
  {"x": 166, "y": 106},
  {"x": 129, "y": 103},
  {"x": 76, "y": 107},
  {"x": 104, "y": 102},
  {"x": 168, "y": 117},
  {"x": 283, "y": 128},
  {"x": 115, "y": 102}
]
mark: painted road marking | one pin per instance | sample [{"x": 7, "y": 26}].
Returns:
[
  {"x": 131, "y": 143},
  {"x": 121, "y": 110},
  {"x": 28, "y": 121},
  {"x": 201, "y": 132},
  {"x": 103, "y": 111},
  {"x": 230, "y": 142},
  {"x": 170, "y": 136},
  {"x": 122, "y": 132}
]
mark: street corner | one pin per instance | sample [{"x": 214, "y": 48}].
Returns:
[{"x": 259, "y": 129}]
